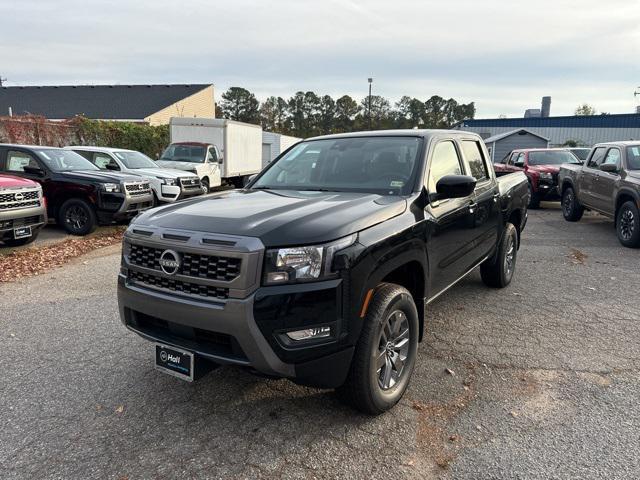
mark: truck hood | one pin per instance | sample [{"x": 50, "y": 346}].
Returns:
[
  {"x": 8, "y": 181},
  {"x": 278, "y": 217},
  {"x": 101, "y": 176},
  {"x": 161, "y": 172},
  {"x": 189, "y": 166},
  {"x": 544, "y": 168},
  {"x": 635, "y": 174}
]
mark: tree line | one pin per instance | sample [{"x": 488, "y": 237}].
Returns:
[{"x": 307, "y": 114}]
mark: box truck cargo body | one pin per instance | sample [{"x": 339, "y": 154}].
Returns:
[
  {"x": 239, "y": 144},
  {"x": 273, "y": 144}
]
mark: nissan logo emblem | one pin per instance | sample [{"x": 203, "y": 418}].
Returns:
[
  {"x": 18, "y": 197},
  {"x": 170, "y": 262}
]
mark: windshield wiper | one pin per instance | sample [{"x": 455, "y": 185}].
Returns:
[
  {"x": 315, "y": 190},
  {"x": 261, "y": 187}
]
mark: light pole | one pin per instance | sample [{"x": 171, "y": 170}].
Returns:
[{"x": 370, "y": 82}]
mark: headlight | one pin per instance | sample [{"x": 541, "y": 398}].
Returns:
[
  {"x": 172, "y": 182},
  {"x": 546, "y": 176},
  {"x": 111, "y": 187},
  {"x": 302, "y": 264}
]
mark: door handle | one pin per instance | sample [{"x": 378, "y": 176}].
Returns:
[
  {"x": 472, "y": 207},
  {"x": 496, "y": 196}
]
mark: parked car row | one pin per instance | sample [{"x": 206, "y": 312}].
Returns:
[
  {"x": 605, "y": 179},
  {"x": 81, "y": 188}
]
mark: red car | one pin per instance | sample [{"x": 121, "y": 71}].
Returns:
[
  {"x": 541, "y": 166},
  {"x": 23, "y": 210}
]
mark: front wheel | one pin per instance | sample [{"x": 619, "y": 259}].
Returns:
[
  {"x": 386, "y": 352},
  {"x": 77, "y": 217},
  {"x": 498, "y": 271},
  {"x": 205, "y": 186},
  {"x": 628, "y": 225},
  {"x": 571, "y": 208}
]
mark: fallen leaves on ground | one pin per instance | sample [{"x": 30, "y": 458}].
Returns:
[
  {"x": 577, "y": 257},
  {"x": 37, "y": 260}
]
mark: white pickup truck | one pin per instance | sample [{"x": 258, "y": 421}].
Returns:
[
  {"x": 217, "y": 150},
  {"x": 168, "y": 184}
]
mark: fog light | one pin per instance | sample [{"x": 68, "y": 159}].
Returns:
[
  {"x": 277, "y": 277},
  {"x": 309, "y": 333}
]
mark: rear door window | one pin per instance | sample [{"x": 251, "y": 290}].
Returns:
[{"x": 472, "y": 152}]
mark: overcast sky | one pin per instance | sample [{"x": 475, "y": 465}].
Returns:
[{"x": 502, "y": 54}]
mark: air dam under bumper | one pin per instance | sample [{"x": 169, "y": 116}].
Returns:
[{"x": 224, "y": 332}]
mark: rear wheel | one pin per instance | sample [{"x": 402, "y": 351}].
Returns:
[
  {"x": 571, "y": 208},
  {"x": 628, "y": 225},
  {"x": 498, "y": 271},
  {"x": 77, "y": 217},
  {"x": 386, "y": 352}
]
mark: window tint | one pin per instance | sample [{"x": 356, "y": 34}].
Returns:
[
  {"x": 85, "y": 154},
  {"x": 596, "y": 157},
  {"x": 613, "y": 156},
  {"x": 212, "y": 156},
  {"x": 445, "y": 161},
  {"x": 473, "y": 154},
  {"x": 16, "y": 161}
]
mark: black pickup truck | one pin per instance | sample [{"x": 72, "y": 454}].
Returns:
[
  {"x": 321, "y": 268},
  {"x": 79, "y": 195}
]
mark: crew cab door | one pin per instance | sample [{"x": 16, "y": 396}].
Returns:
[
  {"x": 449, "y": 242},
  {"x": 486, "y": 213},
  {"x": 588, "y": 177},
  {"x": 605, "y": 183}
]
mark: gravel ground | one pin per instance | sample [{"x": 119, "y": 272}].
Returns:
[{"x": 539, "y": 380}]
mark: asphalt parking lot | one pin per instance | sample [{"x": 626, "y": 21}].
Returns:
[{"x": 540, "y": 380}]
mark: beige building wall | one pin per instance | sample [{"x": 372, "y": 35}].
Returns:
[{"x": 200, "y": 104}]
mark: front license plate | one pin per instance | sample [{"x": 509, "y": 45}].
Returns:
[
  {"x": 21, "y": 232},
  {"x": 174, "y": 362}
]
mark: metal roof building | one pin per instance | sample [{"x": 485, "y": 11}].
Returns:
[
  {"x": 584, "y": 130},
  {"x": 154, "y": 104},
  {"x": 500, "y": 145}
]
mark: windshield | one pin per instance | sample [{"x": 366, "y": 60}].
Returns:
[
  {"x": 633, "y": 157},
  {"x": 581, "y": 153},
  {"x": 64, "y": 160},
  {"x": 133, "y": 160},
  {"x": 185, "y": 153},
  {"x": 551, "y": 157},
  {"x": 383, "y": 165}
]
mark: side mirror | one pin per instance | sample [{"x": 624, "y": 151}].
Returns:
[
  {"x": 455, "y": 186},
  {"x": 220, "y": 160},
  {"x": 33, "y": 170},
  {"x": 609, "y": 167},
  {"x": 111, "y": 166},
  {"x": 519, "y": 164}
]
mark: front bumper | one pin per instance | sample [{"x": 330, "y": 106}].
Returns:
[
  {"x": 34, "y": 217},
  {"x": 247, "y": 332},
  {"x": 120, "y": 206}
]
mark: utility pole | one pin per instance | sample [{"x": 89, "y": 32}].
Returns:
[{"x": 370, "y": 82}]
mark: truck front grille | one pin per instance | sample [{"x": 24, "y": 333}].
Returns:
[
  {"x": 193, "y": 265},
  {"x": 178, "y": 286},
  {"x": 19, "y": 199},
  {"x": 188, "y": 183},
  {"x": 137, "y": 189}
]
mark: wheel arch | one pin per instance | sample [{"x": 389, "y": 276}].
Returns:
[{"x": 626, "y": 195}]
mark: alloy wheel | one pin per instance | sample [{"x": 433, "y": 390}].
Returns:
[
  {"x": 627, "y": 224},
  {"x": 567, "y": 203},
  {"x": 509, "y": 257},
  {"x": 76, "y": 217},
  {"x": 393, "y": 349}
]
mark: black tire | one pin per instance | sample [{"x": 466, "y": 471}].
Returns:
[
  {"x": 498, "y": 271},
  {"x": 18, "y": 242},
  {"x": 571, "y": 208},
  {"x": 77, "y": 217},
  {"x": 628, "y": 225},
  {"x": 205, "y": 186},
  {"x": 534, "y": 199},
  {"x": 375, "y": 390},
  {"x": 154, "y": 202}
]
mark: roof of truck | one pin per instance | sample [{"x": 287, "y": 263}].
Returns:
[
  {"x": 97, "y": 149},
  {"x": 408, "y": 132}
]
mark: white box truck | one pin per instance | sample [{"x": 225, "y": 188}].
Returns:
[
  {"x": 219, "y": 151},
  {"x": 273, "y": 144}
]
